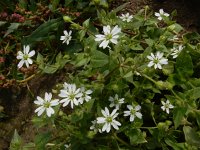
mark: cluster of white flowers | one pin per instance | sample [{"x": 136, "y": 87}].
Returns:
[
  {"x": 133, "y": 112},
  {"x": 110, "y": 35},
  {"x": 25, "y": 55},
  {"x": 69, "y": 94},
  {"x": 157, "y": 60},
  {"x": 166, "y": 106},
  {"x": 46, "y": 103},
  {"x": 176, "y": 51},
  {"x": 73, "y": 95},
  {"x": 67, "y": 37},
  {"x": 161, "y": 14},
  {"x": 116, "y": 101},
  {"x": 126, "y": 17},
  {"x": 109, "y": 119}
]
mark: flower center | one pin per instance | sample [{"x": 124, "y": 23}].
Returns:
[
  {"x": 108, "y": 36},
  {"x": 109, "y": 119},
  {"x": 116, "y": 101},
  {"x": 133, "y": 111},
  {"x": 156, "y": 61},
  {"x": 72, "y": 96},
  {"x": 47, "y": 104},
  {"x": 25, "y": 57},
  {"x": 166, "y": 106}
]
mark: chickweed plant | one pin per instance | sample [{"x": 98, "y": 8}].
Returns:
[{"x": 135, "y": 83}]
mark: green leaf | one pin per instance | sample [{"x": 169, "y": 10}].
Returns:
[
  {"x": 174, "y": 144},
  {"x": 41, "y": 140},
  {"x": 12, "y": 28},
  {"x": 61, "y": 60},
  {"x": 29, "y": 146},
  {"x": 136, "y": 136},
  {"x": 178, "y": 115},
  {"x": 44, "y": 31},
  {"x": 99, "y": 59},
  {"x": 184, "y": 64},
  {"x": 16, "y": 142},
  {"x": 50, "y": 68},
  {"x": 191, "y": 136},
  {"x": 55, "y": 4},
  {"x": 40, "y": 61},
  {"x": 193, "y": 94}
]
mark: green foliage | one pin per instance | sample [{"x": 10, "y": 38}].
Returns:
[
  {"x": 16, "y": 143},
  {"x": 166, "y": 88},
  {"x": 46, "y": 31}
]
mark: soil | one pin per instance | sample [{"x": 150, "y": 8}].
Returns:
[{"x": 18, "y": 104}]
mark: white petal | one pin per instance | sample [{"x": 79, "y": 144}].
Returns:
[
  {"x": 127, "y": 113},
  {"x": 104, "y": 44},
  {"x": 115, "y": 30},
  {"x": 101, "y": 120},
  {"x": 106, "y": 29},
  {"x": 49, "y": 111},
  {"x": 138, "y": 107},
  {"x": 26, "y": 49},
  {"x": 41, "y": 111},
  {"x": 129, "y": 107},
  {"x": 26, "y": 63},
  {"x": 54, "y": 102},
  {"x": 48, "y": 96},
  {"x": 29, "y": 61},
  {"x": 113, "y": 112},
  {"x": 99, "y": 37},
  {"x": 115, "y": 126},
  {"x": 114, "y": 41},
  {"x": 108, "y": 127},
  {"x": 20, "y": 64},
  {"x": 117, "y": 122},
  {"x": 32, "y": 53},
  {"x": 139, "y": 115},
  {"x": 132, "y": 118}
]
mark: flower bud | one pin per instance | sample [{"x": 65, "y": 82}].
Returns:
[
  {"x": 164, "y": 85},
  {"x": 67, "y": 19}
]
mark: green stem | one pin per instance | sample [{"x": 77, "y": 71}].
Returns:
[
  {"x": 110, "y": 73},
  {"x": 27, "y": 79},
  {"x": 176, "y": 95},
  {"x": 120, "y": 140},
  {"x": 147, "y": 77}
]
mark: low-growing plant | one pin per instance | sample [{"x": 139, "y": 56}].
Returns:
[{"x": 134, "y": 82}]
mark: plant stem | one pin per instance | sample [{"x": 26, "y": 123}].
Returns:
[
  {"x": 152, "y": 80},
  {"x": 27, "y": 79},
  {"x": 120, "y": 140}
]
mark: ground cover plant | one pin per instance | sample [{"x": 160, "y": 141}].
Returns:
[{"x": 132, "y": 81}]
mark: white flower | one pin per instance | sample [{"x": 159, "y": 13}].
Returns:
[
  {"x": 174, "y": 38},
  {"x": 67, "y": 37},
  {"x": 70, "y": 94},
  {"x": 85, "y": 95},
  {"x": 95, "y": 126},
  {"x": 157, "y": 60},
  {"x": 166, "y": 106},
  {"x": 161, "y": 14},
  {"x": 25, "y": 56},
  {"x": 133, "y": 112},
  {"x": 126, "y": 17},
  {"x": 108, "y": 120},
  {"x": 67, "y": 146},
  {"x": 109, "y": 36},
  {"x": 176, "y": 51},
  {"x": 115, "y": 101},
  {"x": 46, "y": 104}
]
